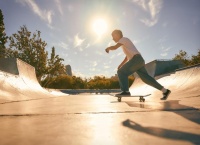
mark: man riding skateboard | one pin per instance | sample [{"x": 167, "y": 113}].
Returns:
[{"x": 133, "y": 62}]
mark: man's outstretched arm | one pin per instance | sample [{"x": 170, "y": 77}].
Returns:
[{"x": 113, "y": 47}]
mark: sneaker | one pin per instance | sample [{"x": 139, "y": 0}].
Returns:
[
  {"x": 123, "y": 94},
  {"x": 165, "y": 95}
]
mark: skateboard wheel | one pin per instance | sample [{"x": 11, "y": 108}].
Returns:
[
  {"x": 119, "y": 99},
  {"x": 142, "y": 99}
]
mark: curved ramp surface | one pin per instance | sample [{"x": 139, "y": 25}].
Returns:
[
  {"x": 183, "y": 83},
  {"x": 18, "y": 82}
]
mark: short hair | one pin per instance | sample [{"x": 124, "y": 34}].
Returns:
[{"x": 118, "y": 32}]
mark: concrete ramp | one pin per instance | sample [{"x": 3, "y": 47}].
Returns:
[
  {"x": 184, "y": 82},
  {"x": 18, "y": 82},
  {"x": 160, "y": 67}
]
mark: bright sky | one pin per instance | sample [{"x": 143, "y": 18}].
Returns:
[{"x": 80, "y": 29}]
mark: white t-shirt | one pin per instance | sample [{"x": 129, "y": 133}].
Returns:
[{"x": 128, "y": 47}]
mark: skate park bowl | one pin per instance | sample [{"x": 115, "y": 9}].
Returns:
[
  {"x": 88, "y": 119},
  {"x": 183, "y": 82},
  {"x": 18, "y": 82}
]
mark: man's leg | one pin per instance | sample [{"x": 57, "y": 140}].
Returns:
[
  {"x": 127, "y": 69},
  {"x": 142, "y": 72},
  {"x": 146, "y": 78}
]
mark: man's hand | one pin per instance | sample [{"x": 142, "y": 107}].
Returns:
[
  {"x": 107, "y": 49},
  {"x": 113, "y": 47}
]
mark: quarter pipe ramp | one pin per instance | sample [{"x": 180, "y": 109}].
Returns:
[{"x": 18, "y": 82}]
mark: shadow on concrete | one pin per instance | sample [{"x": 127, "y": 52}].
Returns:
[
  {"x": 188, "y": 112},
  {"x": 163, "y": 133},
  {"x": 164, "y": 106}
]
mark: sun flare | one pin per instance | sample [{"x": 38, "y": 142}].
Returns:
[{"x": 99, "y": 26}]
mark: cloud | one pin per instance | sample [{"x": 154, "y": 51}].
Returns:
[
  {"x": 78, "y": 41},
  {"x": 59, "y": 5},
  {"x": 152, "y": 7},
  {"x": 43, "y": 14},
  {"x": 148, "y": 22},
  {"x": 106, "y": 67},
  {"x": 80, "y": 49},
  {"x": 165, "y": 51},
  {"x": 70, "y": 8},
  {"x": 78, "y": 73},
  {"x": 68, "y": 60},
  {"x": 63, "y": 45},
  {"x": 136, "y": 41},
  {"x": 141, "y": 3},
  {"x": 88, "y": 45},
  {"x": 124, "y": 13},
  {"x": 92, "y": 69},
  {"x": 98, "y": 52},
  {"x": 165, "y": 24},
  {"x": 110, "y": 43},
  {"x": 164, "y": 54},
  {"x": 94, "y": 64},
  {"x": 120, "y": 53},
  {"x": 112, "y": 56}
]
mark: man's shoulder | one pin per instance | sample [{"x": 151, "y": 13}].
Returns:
[{"x": 124, "y": 39}]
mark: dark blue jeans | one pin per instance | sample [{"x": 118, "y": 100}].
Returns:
[{"x": 136, "y": 64}]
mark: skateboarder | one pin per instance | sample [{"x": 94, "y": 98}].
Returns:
[{"x": 133, "y": 62}]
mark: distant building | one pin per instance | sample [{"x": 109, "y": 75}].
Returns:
[{"x": 68, "y": 70}]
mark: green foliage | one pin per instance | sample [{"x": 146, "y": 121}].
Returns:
[
  {"x": 66, "y": 82},
  {"x": 78, "y": 83},
  {"x": 106, "y": 83},
  {"x": 183, "y": 56},
  {"x": 98, "y": 82},
  {"x": 59, "y": 82},
  {"x": 195, "y": 59},
  {"x": 29, "y": 48},
  {"x": 188, "y": 61},
  {"x": 54, "y": 68},
  {"x": 3, "y": 37}
]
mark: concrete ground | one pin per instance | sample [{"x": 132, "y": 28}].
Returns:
[{"x": 100, "y": 120}]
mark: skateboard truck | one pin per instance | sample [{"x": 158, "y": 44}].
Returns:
[{"x": 141, "y": 99}]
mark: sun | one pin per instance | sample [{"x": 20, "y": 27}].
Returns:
[{"x": 99, "y": 26}]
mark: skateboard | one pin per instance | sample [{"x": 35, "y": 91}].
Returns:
[{"x": 141, "y": 97}]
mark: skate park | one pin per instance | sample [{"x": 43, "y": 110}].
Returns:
[{"x": 30, "y": 114}]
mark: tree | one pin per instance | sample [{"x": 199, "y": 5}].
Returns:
[
  {"x": 55, "y": 67},
  {"x": 183, "y": 56},
  {"x": 61, "y": 82},
  {"x": 195, "y": 59},
  {"x": 188, "y": 61},
  {"x": 3, "y": 37},
  {"x": 29, "y": 48},
  {"x": 79, "y": 83}
]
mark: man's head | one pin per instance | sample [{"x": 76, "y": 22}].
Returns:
[{"x": 117, "y": 35}]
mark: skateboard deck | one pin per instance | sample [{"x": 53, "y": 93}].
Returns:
[{"x": 141, "y": 97}]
